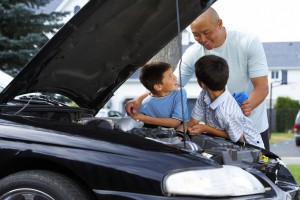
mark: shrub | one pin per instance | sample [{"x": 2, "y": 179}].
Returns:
[{"x": 286, "y": 113}]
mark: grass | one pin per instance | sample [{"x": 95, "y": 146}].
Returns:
[
  {"x": 295, "y": 171},
  {"x": 281, "y": 137}
]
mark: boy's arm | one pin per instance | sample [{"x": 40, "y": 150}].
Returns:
[
  {"x": 189, "y": 123},
  {"x": 203, "y": 128},
  {"x": 167, "y": 122}
]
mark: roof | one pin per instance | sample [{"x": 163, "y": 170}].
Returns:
[{"x": 283, "y": 54}]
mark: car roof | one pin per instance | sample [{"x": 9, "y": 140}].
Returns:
[{"x": 102, "y": 46}]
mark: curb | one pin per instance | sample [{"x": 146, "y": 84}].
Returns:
[{"x": 291, "y": 160}]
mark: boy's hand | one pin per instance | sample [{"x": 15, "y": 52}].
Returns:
[
  {"x": 131, "y": 106},
  {"x": 196, "y": 129},
  {"x": 180, "y": 128},
  {"x": 138, "y": 116}
]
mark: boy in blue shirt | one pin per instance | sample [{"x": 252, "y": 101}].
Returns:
[
  {"x": 216, "y": 107},
  {"x": 162, "y": 106}
]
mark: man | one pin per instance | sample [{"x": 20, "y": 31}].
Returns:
[{"x": 245, "y": 55}]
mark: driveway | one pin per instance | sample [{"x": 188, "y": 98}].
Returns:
[{"x": 288, "y": 151}]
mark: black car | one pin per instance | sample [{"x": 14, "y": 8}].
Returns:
[
  {"x": 297, "y": 129},
  {"x": 51, "y": 151}
]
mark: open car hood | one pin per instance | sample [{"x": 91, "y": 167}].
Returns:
[{"x": 101, "y": 46}]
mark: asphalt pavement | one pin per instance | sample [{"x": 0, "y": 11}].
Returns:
[{"x": 287, "y": 151}]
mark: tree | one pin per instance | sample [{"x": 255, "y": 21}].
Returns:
[
  {"x": 23, "y": 31},
  {"x": 170, "y": 53}
]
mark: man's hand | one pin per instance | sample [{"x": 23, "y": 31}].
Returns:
[
  {"x": 258, "y": 94},
  {"x": 246, "y": 107}
]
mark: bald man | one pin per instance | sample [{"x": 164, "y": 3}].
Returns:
[{"x": 248, "y": 70}]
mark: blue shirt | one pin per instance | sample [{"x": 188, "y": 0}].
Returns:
[
  {"x": 165, "y": 107},
  {"x": 224, "y": 113}
]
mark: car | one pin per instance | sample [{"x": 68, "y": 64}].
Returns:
[
  {"x": 297, "y": 129},
  {"x": 49, "y": 150}
]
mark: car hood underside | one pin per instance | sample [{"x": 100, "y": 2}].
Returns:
[{"x": 100, "y": 47}]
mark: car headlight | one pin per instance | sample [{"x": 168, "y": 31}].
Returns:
[{"x": 225, "y": 181}]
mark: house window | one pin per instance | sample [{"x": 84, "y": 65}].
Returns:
[
  {"x": 284, "y": 77},
  {"x": 275, "y": 75}
]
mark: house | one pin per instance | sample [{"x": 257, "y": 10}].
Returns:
[{"x": 284, "y": 69}]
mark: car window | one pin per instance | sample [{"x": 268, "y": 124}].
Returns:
[{"x": 46, "y": 98}]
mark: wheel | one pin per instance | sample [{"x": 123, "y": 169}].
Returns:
[
  {"x": 298, "y": 142},
  {"x": 40, "y": 185}
]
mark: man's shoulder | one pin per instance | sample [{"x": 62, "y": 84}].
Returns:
[
  {"x": 194, "y": 47},
  {"x": 241, "y": 33}
]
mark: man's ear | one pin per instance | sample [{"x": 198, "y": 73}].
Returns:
[{"x": 220, "y": 23}]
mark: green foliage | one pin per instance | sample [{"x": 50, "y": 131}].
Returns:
[
  {"x": 286, "y": 113},
  {"x": 286, "y": 102},
  {"x": 295, "y": 171},
  {"x": 23, "y": 31}
]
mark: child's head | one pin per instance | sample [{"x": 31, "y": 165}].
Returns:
[
  {"x": 158, "y": 76},
  {"x": 213, "y": 71}
]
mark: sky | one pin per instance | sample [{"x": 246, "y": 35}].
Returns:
[{"x": 271, "y": 20}]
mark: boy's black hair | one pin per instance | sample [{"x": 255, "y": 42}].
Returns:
[
  {"x": 152, "y": 73},
  {"x": 213, "y": 71}
]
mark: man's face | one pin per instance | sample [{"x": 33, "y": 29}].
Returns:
[{"x": 208, "y": 34}]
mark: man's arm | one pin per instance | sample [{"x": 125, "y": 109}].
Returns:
[
  {"x": 133, "y": 105},
  {"x": 187, "y": 63},
  {"x": 258, "y": 94},
  {"x": 167, "y": 122}
]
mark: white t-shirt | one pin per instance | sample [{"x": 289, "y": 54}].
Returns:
[{"x": 246, "y": 59}]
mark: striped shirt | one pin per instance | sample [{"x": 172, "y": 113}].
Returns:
[{"x": 224, "y": 113}]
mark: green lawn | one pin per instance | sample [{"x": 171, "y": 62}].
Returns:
[
  {"x": 281, "y": 137},
  {"x": 295, "y": 170}
]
